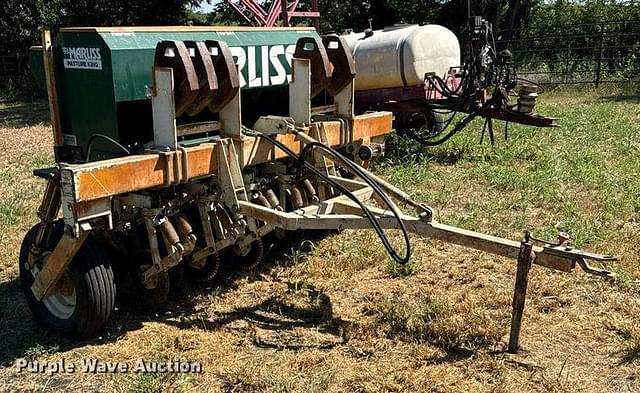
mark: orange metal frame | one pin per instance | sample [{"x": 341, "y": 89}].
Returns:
[{"x": 101, "y": 179}]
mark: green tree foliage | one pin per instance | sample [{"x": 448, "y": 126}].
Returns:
[
  {"x": 22, "y": 20},
  {"x": 357, "y": 14},
  {"x": 125, "y": 12},
  {"x": 549, "y": 15}
]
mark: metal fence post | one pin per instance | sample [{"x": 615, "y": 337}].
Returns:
[
  {"x": 600, "y": 51},
  {"x": 19, "y": 63}
]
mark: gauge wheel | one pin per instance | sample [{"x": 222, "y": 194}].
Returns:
[
  {"x": 428, "y": 123},
  {"x": 252, "y": 258},
  {"x": 157, "y": 295},
  {"x": 83, "y": 299},
  {"x": 176, "y": 276},
  {"x": 207, "y": 274}
]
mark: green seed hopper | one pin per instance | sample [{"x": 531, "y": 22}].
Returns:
[{"x": 103, "y": 78}]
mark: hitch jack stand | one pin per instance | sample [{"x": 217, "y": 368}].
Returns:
[{"x": 519, "y": 295}]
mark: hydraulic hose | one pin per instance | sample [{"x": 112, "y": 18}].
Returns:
[
  {"x": 367, "y": 213},
  {"x": 357, "y": 170},
  {"x": 106, "y": 138}
]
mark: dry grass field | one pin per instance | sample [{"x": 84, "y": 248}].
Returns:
[{"x": 335, "y": 315}]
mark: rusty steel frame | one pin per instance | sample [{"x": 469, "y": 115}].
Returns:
[
  {"x": 88, "y": 189},
  {"x": 340, "y": 213},
  {"x": 102, "y": 179}
]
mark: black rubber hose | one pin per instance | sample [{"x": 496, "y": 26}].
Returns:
[
  {"x": 106, "y": 138},
  {"x": 367, "y": 213},
  {"x": 536, "y": 84},
  {"x": 459, "y": 126},
  {"x": 378, "y": 190}
]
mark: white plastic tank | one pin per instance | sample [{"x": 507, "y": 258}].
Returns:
[{"x": 401, "y": 55}]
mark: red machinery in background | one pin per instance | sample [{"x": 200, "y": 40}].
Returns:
[
  {"x": 256, "y": 14},
  {"x": 425, "y": 107},
  {"x": 415, "y": 72}
]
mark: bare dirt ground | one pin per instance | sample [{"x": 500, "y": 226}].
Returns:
[{"x": 337, "y": 316}]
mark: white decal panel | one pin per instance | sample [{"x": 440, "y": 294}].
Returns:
[
  {"x": 263, "y": 66},
  {"x": 82, "y": 58}
]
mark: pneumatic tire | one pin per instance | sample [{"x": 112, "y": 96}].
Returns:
[
  {"x": 427, "y": 124},
  {"x": 84, "y": 304}
]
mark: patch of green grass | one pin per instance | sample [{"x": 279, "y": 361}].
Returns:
[
  {"x": 302, "y": 301},
  {"x": 11, "y": 210},
  {"x": 300, "y": 253},
  {"x": 41, "y": 161},
  {"x": 153, "y": 383},
  {"x": 347, "y": 253},
  {"x": 297, "y": 286},
  {"x": 581, "y": 177},
  {"x": 409, "y": 318},
  {"x": 8, "y": 214},
  {"x": 15, "y": 207},
  {"x": 21, "y": 114},
  {"x": 396, "y": 270},
  {"x": 6, "y": 177},
  {"x": 38, "y": 350},
  {"x": 623, "y": 278}
]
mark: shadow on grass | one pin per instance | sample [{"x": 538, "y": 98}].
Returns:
[
  {"x": 403, "y": 149},
  {"x": 24, "y": 114},
  {"x": 452, "y": 355},
  {"x": 626, "y": 98},
  {"x": 629, "y": 355},
  {"x": 274, "y": 314},
  {"x": 23, "y": 338},
  {"x": 288, "y": 315}
]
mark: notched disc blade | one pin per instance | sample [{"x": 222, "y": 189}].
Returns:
[
  {"x": 311, "y": 48},
  {"x": 227, "y": 73},
  {"x": 341, "y": 58},
  {"x": 175, "y": 55},
  {"x": 208, "y": 82}
]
